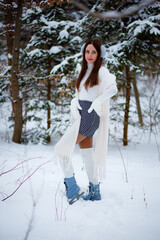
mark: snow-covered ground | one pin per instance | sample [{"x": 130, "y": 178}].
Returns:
[{"x": 39, "y": 210}]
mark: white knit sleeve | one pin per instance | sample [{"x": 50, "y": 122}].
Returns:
[
  {"x": 108, "y": 93},
  {"x": 109, "y": 81},
  {"x": 107, "y": 77}
]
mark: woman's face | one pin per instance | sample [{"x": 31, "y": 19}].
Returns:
[{"x": 90, "y": 54}]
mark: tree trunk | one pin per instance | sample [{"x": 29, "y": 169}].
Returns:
[
  {"x": 126, "y": 115},
  {"x": 136, "y": 93},
  {"x": 49, "y": 109},
  {"x": 9, "y": 25},
  {"x": 17, "y": 100},
  {"x": 8, "y": 19}
]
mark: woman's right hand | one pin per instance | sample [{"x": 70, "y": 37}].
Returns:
[{"x": 96, "y": 106}]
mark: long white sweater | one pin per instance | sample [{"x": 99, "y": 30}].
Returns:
[
  {"x": 93, "y": 92},
  {"x": 65, "y": 147}
]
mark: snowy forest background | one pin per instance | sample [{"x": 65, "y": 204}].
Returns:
[
  {"x": 39, "y": 82},
  {"x": 40, "y": 59}
]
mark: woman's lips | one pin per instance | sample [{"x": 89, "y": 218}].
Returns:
[{"x": 90, "y": 59}]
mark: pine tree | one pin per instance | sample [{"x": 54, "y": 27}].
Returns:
[
  {"x": 51, "y": 39},
  {"x": 14, "y": 48},
  {"x": 132, "y": 45},
  {"x": 54, "y": 37}
]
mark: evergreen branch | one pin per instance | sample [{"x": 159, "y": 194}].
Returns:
[{"x": 130, "y": 11}]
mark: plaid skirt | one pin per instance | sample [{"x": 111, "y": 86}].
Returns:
[{"x": 89, "y": 121}]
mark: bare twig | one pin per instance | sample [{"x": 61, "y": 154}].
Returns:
[
  {"x": 132, "y": 194},
  {"x": 157, "y": 147},
  {"x": 15, "y": 167},
  {"x": 35, "y": 202},
  {"x": 130, "y": 11},
  {"x": 148, "y": 113},
  {"x": 144, "y": 198},
  {"x": 25, "y": 179},
  {"x": 56, "y": 216},
  {"x": 31, "y": 220},
  {"x": 65, "y": 212},
  {"x": 125, "y": 170},
  {"x": 59, "y": 216}
]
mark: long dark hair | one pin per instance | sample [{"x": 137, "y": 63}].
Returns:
[{"x": 92, "y": 80}]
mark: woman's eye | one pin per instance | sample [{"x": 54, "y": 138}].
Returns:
[{"x": 87, "y": 51}]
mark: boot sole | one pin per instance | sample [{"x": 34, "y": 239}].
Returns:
[{"x": 75, "y": 198}]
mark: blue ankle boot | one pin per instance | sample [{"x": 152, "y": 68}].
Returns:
[
  {"x": 88, "y": 197},
  {"x": 94, "y": 193},
  {"x": 71, "y": 187}
]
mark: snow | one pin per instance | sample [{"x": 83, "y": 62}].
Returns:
[
  {"x": 3, "y": 57},
  {"x": 53, "y": 24},
  {"x": 140, "y": 25},
  {"x": 36, "y": 52},
  {"x": 9, "y": 55},
  {"x": 128, "y": 210},
  {"x": 14, "y": 5},
  {"x": 76, "y": 39},
  {"x": 63, "y": 34},
  {"x": 54, "y": 50},
  {"x": 65, "y": 62}
]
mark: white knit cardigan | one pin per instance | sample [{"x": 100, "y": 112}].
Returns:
[{"x": 65, "y": 147}]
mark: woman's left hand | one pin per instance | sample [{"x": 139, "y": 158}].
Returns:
[{"x": 96, "y": 105}]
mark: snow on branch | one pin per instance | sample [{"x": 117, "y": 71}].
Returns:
[
  {"x": 64, "y": 62},
  {"x": 132, "y": 10}
]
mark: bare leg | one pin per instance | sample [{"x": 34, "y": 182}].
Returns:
[
  {"x": 84, "y": 142},
  {"x": 80, "y": 138}
]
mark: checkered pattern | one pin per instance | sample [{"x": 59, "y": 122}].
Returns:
[{"x": 89, "y": 121}]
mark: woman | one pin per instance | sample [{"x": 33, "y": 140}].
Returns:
[{"x": 89, "y": 112}]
